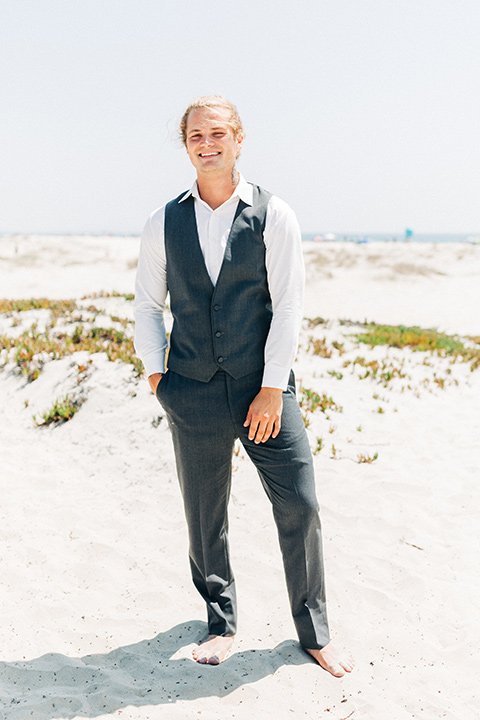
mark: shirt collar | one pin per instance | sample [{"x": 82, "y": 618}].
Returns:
[{"x": 243, "y": 191}]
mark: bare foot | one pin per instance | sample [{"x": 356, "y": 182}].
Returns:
[
  {"x": 331, "y": 660},
  {"x": 213, "y": 650}
]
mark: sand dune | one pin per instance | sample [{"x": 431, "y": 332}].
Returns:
[{"x": 99, "y": 614}]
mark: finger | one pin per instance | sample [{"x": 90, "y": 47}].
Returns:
[
  {"x": 276, "y": 429},
  {"x": 253, "y": 429},
  {"x": 262, "y": 426},
  {"x": 268, "y": 431},
  {"x": 248, "y": 419}
]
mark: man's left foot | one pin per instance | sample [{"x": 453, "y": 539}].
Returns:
[
  {"x": 332, "y": 660},
  {"x": 213, "y": 650}
]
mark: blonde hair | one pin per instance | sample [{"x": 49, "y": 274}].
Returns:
[{"x": 211, "y": 101}]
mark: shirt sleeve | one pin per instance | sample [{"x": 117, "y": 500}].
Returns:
[
  {"x": 150, "y": 294},
  {"x": 286, "y": 282}
]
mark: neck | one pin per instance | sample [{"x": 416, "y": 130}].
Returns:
[{"x": 215, "y": 190}]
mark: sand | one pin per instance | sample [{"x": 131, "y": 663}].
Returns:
[{"x": 98, "y": 612}]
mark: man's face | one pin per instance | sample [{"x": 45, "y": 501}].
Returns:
[{"x": 211, "y": 144}]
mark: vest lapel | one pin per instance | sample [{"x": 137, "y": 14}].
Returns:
[
  {"x": 227, "y": 257},
  {"x": 197, "y": 255}
]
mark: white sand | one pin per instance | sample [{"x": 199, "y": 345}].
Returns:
[{"x": 98, "y": 611}]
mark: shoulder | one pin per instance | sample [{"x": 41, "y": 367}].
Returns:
[
  {"x": 153, "y": 228},
  {"x": 277, "y": 209},
  {"x": 279, "y": 212},
  {"x": 157, "y": 217}
]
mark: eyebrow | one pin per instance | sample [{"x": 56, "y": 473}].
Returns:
[{"x": 194, "y": 130}]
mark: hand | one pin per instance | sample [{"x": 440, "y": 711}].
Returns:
[
  {"x": 264, "y": 415},
  {"x": 153, "y": 381}
]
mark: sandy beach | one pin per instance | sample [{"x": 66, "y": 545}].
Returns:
[{"x": 99, "y": 615}]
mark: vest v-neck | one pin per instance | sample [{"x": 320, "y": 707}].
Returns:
[{"x": 227, "y": 255}]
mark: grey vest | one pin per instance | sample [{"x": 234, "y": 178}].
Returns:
[{"x": 225, "y": 326}]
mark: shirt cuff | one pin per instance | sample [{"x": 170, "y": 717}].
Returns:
[
  {"x": 154, "y": 363},
  {"x": 276, "y": 376}
]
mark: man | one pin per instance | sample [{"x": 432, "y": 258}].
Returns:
[{"x": 229, "y": 253}]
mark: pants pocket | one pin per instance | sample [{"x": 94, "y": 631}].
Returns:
[{"x": 160, "y": 392}]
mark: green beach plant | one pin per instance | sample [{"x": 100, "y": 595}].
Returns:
[
  {"x": 319, "y": 347},
  {"x": 367, "y": 458},
  {"x": 60, "y": 412},
  {"x": 311, "y": 401},
  {"x": 420, "y": 339},
  {"x": 32, "y": 348}
]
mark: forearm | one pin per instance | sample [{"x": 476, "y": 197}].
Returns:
[
  {"x": 150, "y": 294},
  {"x": 286, "y": 281},
  {"x": 281, "y": 347},
  {"x": 150, "y": 339}
]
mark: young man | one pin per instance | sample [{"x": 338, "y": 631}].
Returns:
[{"x": 230, "y": 255}]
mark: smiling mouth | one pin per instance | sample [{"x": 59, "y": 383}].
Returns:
[{"x": 212, "y": 154}]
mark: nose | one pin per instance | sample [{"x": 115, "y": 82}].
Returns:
[{"x": 207, "y": 140}]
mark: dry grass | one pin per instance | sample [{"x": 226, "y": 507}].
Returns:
[{"x": 33, "y": 348}]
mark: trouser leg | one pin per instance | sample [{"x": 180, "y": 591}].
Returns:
[
  {"x": 285, "y": 467},
  {"x": 203, "y": 438}
]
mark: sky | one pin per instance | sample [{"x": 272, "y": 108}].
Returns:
[{"x": 364, "y": 115}]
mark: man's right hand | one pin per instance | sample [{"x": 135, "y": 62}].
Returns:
[{"x": 154, "y": 380}]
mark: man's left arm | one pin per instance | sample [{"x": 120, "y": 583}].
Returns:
[{"x": 286, "y": 282}]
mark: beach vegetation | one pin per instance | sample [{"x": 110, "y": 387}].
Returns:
[
  {"x": 367, "y": 458},
  {"x": 59, "y": 307},
  {"x": 313, "y": 322},
  {"x": 306, "y": 419},
  {"x": 33, "y": 348},
  {"x": 311, "y": 401},
  {"x": 103, "y": 294},
  {"x": 60, "y": 412},
  {"x": 349, "y": 323},
  {"x": 420, "y": 339},
  {"x": 335, "y": 374},
  {"x": 122, "y": 321},
  {"x": 319, "y": 347},
  {"x": 383, "y": 371},
  {"x": 319, "y": 446}
]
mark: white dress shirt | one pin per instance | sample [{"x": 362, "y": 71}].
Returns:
[{"x": 285, "y": 277}]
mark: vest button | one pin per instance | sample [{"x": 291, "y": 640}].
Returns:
[
  {"x": 220, "y": 359},
  {"x": 218, "y": 334},
  {"x": 216, "y": 307}
]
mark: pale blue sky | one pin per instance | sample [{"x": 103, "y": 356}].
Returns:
[{"x": 363, "y": 114}]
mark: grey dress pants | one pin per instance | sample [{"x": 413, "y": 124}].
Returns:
[{"x": 205, "y": 419}]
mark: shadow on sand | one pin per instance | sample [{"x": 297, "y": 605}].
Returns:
[{"x": 144, "y": 673}]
